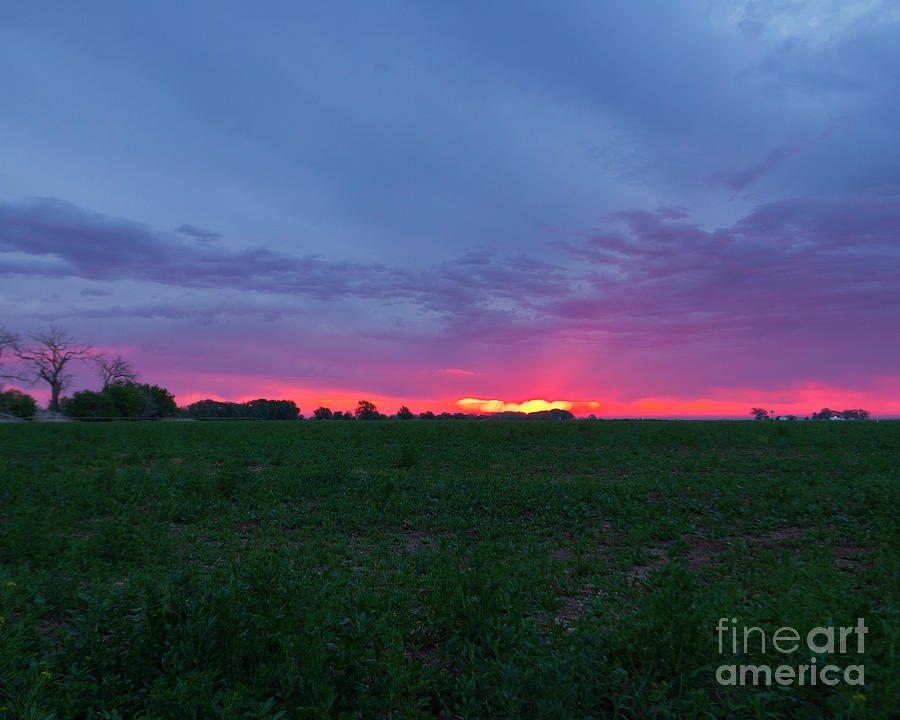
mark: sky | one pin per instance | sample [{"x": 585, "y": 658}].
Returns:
[{"x": 654, "y": 209}]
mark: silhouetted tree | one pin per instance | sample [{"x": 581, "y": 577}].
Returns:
[
  {"x": 366, "y": 411},
  {"x": 272, "y": 409},
  {"x": 113, "y": 370},
  {"x": 158, "y": 402},
  {"x": 322, "y": 413},
  {"x": 759, "y": 414},
  {"x": 427, "y": 415},
  {"x": 404, "y": 413},
  {"x": 8, "y": 342},
  {"x": 260, "y": 409},
  {"x": 48, "y": 357}
]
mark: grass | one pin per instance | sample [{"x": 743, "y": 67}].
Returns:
[{"x": 441, "y": 569}]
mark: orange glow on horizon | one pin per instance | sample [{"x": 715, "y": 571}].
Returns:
[
  {"x": 476, "y": 405},
  {"x": 881, "y": 398},
  {"x": 723, "y": 403}
]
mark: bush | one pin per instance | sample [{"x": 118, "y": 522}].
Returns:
[
  {"x": 159, "y": 402},
  {"x": 121, "y": 400},
  {"x": 88, "y": 404},
  {"x": 17, "y": 403},
  {"x": 127, "y": 400}
]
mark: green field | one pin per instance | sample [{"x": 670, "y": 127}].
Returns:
[{"x": 474, "y": 569}]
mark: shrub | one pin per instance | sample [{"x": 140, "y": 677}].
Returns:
[
  {"x": 15, "y": 402},
  {"x": 88, "y": 404}
]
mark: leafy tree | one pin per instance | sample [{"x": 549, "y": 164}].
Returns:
[
  {"x": 122, "y": 400},
  {"x": 48, "y": 357},
  {"x": 340, "y": 415},
  {"x": 427, "y": 415},
  {"x": 404, "y": 413},
  {"x": 127, "y": 398},
  {"x": 113, "y": 370},
  {"x": 366, "y": 411},
  {"x": 14, "y": 402},
  {"x": 272, "y": 409},
  {"x": 89, "y": 404},
  {"x": 260, "y": 409},
  {"x": 824, "y": 414},
  {"x": 206, "y": 409},
  {"x": 158, "y": 402},
  {"x": 322, "y": 413},
  {"x": 759, "y": 414}
]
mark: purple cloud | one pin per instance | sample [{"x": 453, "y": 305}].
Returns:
[{"x": 641, "y": 278}]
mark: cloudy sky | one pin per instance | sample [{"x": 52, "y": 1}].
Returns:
[{"x": 646, "y": 209}]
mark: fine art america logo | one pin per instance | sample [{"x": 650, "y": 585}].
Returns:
[{"x": 848, "y": 642}]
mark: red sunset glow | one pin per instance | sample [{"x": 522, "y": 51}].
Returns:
[{"x": 481, "y": 221}]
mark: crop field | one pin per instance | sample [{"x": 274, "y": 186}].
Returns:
[{"x": 458, "y": 569}]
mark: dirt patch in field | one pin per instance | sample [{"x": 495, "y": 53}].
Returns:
[
  {"x": 786, "y": 538},
  {"x": 572, "y": 609},
  {"x": 701, "y": 550},
  {"x": 657, "y": 559},
  {"x": 415, "y": 539},
  {"x": 851, "y": 558},
  {"x": 562, "y": 554},
  {"x": 561, "y": 546},
  {"x": 245, "y": 525},
  {"x": 569, "y": 613}
]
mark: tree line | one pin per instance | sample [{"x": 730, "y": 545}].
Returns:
[
  {"x": 253, "y": 410},
  {"x": 823, "y": 414}
]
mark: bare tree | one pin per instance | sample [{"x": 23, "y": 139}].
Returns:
[
  {"x": 47, "y": 358},
  {"x": 8, "y": 341},
  {"x": 113, "y": 370}
]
